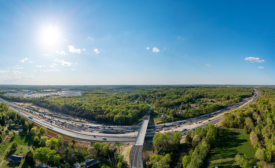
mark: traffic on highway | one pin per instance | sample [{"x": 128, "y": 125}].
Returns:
[{"x": 127, "y": 137}]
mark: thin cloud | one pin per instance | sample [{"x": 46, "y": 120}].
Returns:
[
  {"x": 16, "y": 72},
  {"x": 23, "y": 60},
  {"x": 207, "y": 65},
  {"x": 155, "y": 49},
  {"x": 51, "y": 54},
  {"x": 53, "y": 65},
  {"x": 52, "y": 70},
  {"x": 147, "y": 48},
  {"x": 74, "y": 50},
  {"x": 39, "y": 66},
  {"x": 254, "y": 59},
  {"x": 96, "y": 51},
  {"x": 17, "y": 67},
  {"x": 261, "y": 67},
  {"x": 61, "y": 52},
  {"x": 30, "y": 61},
  {"x": 65, "y": 40},
  {"x": 38, "y": 70},
  {"x": 84, "y": 49},
  {"x": 73, "y": 69},
  {"x": 63, "y": 63},
  {"x": 3, "y": 71}
]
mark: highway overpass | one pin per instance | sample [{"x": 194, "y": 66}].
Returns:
[{"x": 136, "y": 151}]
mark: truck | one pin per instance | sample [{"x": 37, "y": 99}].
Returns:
[
  {"x": 168, "y": 125},
  {"x": 92, "y": 126}
]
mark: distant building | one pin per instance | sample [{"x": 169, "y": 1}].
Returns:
[
  {"x": 15, "y": 158},
  {"x": 90, "y": 162},
  {"x": 12, "y": 127},
  {"x": 41, "y": 166},
  {"x": 76, "y": 165}
]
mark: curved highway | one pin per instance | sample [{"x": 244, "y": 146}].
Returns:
[{"x": 114, "y": 138}]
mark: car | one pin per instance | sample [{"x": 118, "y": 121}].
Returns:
[
  {"x": 209, "y": 120},
  {"x": 104, "y": 138}
]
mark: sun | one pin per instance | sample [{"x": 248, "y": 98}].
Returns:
[{"x": 50, "y": 36}]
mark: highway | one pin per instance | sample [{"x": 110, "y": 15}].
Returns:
[
  {"x": 117, "y": 138},
  {"x": 75, "y": 134},
  {"x": 136, "y": 151}
]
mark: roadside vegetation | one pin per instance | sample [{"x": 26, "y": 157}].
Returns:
[
  {"x": 127, "y": 107},
  {"x": 230, "y": 143},
  {"x": 248, "y": 136},
  {"x": 38, "y": 147}
]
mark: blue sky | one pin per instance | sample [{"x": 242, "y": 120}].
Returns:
[{"x": 137, "y": 42}]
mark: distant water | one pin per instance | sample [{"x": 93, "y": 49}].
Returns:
[{"x": 59, "y": 93}]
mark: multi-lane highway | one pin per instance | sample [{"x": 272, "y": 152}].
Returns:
[
  {"x": 116, "y": 138},
  {"x": 136, "y": 151}
]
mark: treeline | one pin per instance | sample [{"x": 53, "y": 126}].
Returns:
[
  {"x": 258, "y": 120},
  {"x": 170, "y": 143},
  {"x": 201, "y": 140},
  {"x": 126, "y": 108}
]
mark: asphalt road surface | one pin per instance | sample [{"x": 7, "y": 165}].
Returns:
[{"x": 125, "y": 138}]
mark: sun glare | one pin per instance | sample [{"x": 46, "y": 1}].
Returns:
[{"x": 50, "y": 36}]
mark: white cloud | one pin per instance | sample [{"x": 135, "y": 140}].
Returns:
[
  {"x": 61, "y": 52},
  {"x": 74, "y": 50},
  {"x": 96, "y": 51},
  {"x": 18, "y": 67},
  {"x": 51, "y": 54},
  {"x": 23, "y": 60},
  {"x": 38, "y": 66},
  {"x": 73, "y": 69},
  {"x": 147, "y": 48},
  {"x": 261, "y": 67},
  {"x": 155, "y": 49},
  {"x": 52, "y": 70},
  {"x": 30, "y": 61},
  {"x": 53, "y": 65},
  {"x": 16, "y": 72},
  {"x": 254, "y": 59},
  {"x": 63, "y": 63},
  {"x": 207, "y": 64},
  {"x": 3, "y": 71}
]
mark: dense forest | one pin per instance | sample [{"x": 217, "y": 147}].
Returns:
[
  {"x": 127, "y": 107},
  {"x": 257, "y": 120}
]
